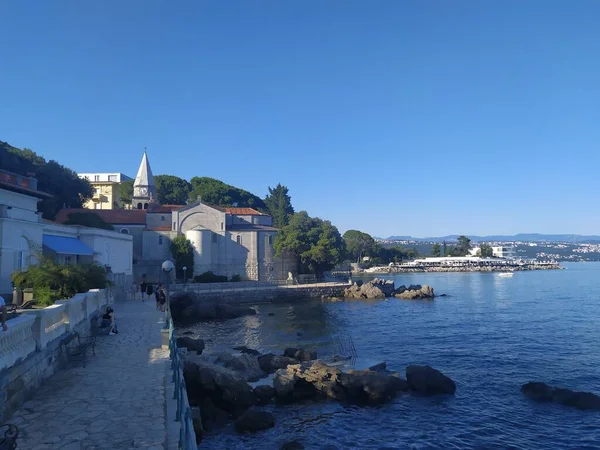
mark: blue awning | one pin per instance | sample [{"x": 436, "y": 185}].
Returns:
[{"x": 66, "y": 245}]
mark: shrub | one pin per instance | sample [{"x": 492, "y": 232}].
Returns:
[
  {"x": 51, "y": 281},
  {"x": 209, "y": 277},
  {"x": 235, "y": 278}
]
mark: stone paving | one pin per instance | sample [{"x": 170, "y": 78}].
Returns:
[{"x": 116, "y": 402}]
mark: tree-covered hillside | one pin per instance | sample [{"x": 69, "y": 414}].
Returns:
[{"x": 66, "y": 188}]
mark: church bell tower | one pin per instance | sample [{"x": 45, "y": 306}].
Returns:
[{"x": 144, "y": 189}]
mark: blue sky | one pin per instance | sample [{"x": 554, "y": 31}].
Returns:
[{"x": 394, "y": 117}]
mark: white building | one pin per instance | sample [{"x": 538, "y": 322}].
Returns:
[
  {"x": 24, "y": 235},
  {"x": 503, "y": 251},
  {"x": 104, "y": 177}
]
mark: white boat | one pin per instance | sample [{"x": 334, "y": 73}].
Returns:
[{"x": 506, "y": 274}]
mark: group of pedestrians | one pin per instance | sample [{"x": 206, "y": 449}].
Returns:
[{"x": 147, "y": 289}]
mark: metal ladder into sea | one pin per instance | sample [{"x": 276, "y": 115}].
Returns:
[{"x": 344, "y": 349}]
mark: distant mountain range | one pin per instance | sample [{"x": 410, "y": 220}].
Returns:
[{"x": 523, "y": 237}]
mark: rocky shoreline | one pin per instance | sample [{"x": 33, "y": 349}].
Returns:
[{"x": 380, "y": 289}]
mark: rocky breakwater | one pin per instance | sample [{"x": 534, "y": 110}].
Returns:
[
  {"x": 217, "y": 385},
  {"x": 362, "y": 387},
  {"x": 379, "y": 289},
  {"x": 541, "y": 392},
  {"x": 188, "y": 308}
]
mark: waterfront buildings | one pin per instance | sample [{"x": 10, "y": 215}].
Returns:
[
  {"x": 226, "y": 240},
  {"x": 105, "y": 189},
  {"x": 25, "y": 236}
]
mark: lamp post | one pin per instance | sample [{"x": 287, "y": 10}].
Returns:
[
  {"x": 184, "y": 272},
  {"x": 167, "y": 268}
]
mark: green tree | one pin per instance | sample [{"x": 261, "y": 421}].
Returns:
[
  {"x": 359, "y": 244},
  {"x": 66, "y": 188},
  {"x": 485, "y": 251},
  {"x": 172, "y": 190},
  {"x": 435, "y": 250},
  {"x": 88, "y": 220},
  {"x": 215, "y": 192},
  {"x": 182, "y": 251},
  {"x": 316, "y": 242},
  {"x": 125, "y": 191},
  {"x": 279, "y": 205},
  {"x": 464, "y": 245}
]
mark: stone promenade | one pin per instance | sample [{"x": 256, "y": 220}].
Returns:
[{"x": 116, "y": 402}]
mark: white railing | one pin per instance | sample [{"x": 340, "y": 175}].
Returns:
[
  {"x": 17, "y": 342},
  {"x": 49, "y": 324},
  {"x": 33, "y": 329}
]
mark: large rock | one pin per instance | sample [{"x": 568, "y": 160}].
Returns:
[
  {"x": 541, "y": 392},
  {"x": 253, "y": 421},
  {"x": 360, "y": 387},
  {"x": 414, "y": 292},
  {"x": 244, "y": 349},
  {"x": 300, "y": 354},
  {"x": 192, "y": 344},
  {"x": 247, "y": 365},
  {"x": 374, "y": 289},
  {"x": 263, "y": 394},
  {"x": 226, "y": 388},
  {"x": 428, "y": 381},
  {"x": 271, "y": 363},
  {"x": 189, "y": 307}
]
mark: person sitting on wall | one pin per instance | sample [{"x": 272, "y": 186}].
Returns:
[
  {"x": 108, "y": 321},
  {"x": 3, "y": 313}
]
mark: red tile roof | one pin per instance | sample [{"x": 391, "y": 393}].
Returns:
[
  {"x": 238, "y": 211},
  {"x": 112, "y": 216},
  {"x": 165, "y": 228}
]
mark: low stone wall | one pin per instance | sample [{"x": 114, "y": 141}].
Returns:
[
  {"x": 274, "y": 294},
  {"x": 31, "y": 349}
]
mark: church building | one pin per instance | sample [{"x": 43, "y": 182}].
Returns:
[{"x": 226, "y": 240}]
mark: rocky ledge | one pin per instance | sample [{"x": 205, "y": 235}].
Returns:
[
  {"x": 379, "y": 289},
  {"x": 541, "y": 392}
]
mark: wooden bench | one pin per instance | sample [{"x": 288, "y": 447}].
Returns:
[
  {"x": 78, "y": 351},
  {"x": 9, "y": 440}
]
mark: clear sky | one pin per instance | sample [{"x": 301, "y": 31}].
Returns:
[{"x": 394, "y": 117}]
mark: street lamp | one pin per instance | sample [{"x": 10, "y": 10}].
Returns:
[
  {"x": 184, "y": 277},
  {"x": 167, "y": 268}
]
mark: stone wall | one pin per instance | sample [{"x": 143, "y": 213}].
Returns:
[{"x": 32, "y": 349}]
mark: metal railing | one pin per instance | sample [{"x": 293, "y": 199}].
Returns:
[
  {"x": 250, "y": 286},
  {"x": 187, "y": 436}
]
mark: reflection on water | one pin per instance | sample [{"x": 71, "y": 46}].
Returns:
[{"x": 490, "y": 334}]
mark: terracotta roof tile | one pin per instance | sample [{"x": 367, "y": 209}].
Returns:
[
  {"x": 238, "y": 211},
  {"x": 112, "y": 216},
  {"x": 165, "y": 228},
  {"x": 164, "y": 208}
]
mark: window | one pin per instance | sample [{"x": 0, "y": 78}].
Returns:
[
  {"x": 145, "y": 205},
  {"x": 112, "y": 178},
  {"x": 97, "y": 190},
  {"x": 160, "y": 239},
  {"x": 214, "y": 238},
  {"x": 19, "y": 260},
  {"x": 67, "y": 260},
  {"x": 162, "y": 218},
  {"x": 239, "y": 239},
  {"x": 124, "y": 231},
  {"x": 139, "y": 206},
  {"x": 221, "y": 226},
  {"x": 174, "y": 226},
  {"x": 96, "y": 177},
  {"x": 270, "y": 239}
]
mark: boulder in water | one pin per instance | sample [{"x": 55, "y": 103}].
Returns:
[
  {"x": 246, "y": 365},
  {"x": 192, "y": 344},
  {"x": 244, "y": 349},
  {"x": 253, "y": 421},
  {"x": 264, "y": 394},
  {"x": 414, "y": 292},
  {"x": 372, "y": 290},
  {"x": 428, "y": 381},
  {"x": 270, "y": 363},
  {"x": 541, "y": 392}
]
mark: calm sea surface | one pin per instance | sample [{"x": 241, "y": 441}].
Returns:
[{"x": 490, "y": 334}]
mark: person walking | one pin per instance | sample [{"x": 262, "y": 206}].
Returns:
[
  {"x": 143, "y": 290},
  {"x": 162, "y": 298},
  {"x": 157, "y": 296},
  {"x": 3, "y": 314},
  {"x": 149, "y": 290}
]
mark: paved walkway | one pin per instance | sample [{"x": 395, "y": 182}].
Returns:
[{"x": 116, "y": 402}]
